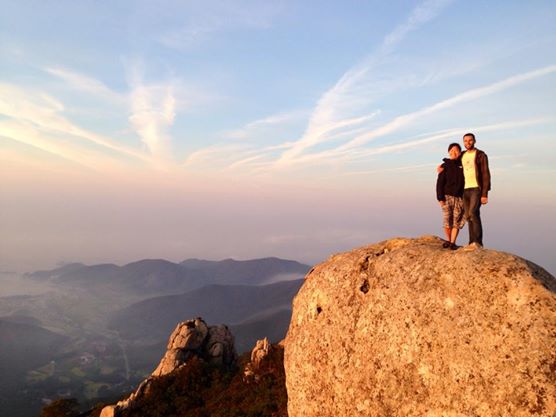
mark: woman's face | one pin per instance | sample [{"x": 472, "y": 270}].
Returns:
[{"x": 454, "y": 152}]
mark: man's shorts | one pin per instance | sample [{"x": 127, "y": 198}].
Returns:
[{"x": 453, "y": 212}]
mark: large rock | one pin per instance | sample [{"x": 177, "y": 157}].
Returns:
[
  {"x": 213, "y": 344},
  {"x": 186, "y": 340},
  {"x": 406, "y": 328},
  {"x": 259, "y": 355}
]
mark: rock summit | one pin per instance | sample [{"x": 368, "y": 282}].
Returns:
[{"x": 407, "y": 328}]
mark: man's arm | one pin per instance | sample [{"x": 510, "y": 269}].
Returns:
[{"x": 485, "y": 177}]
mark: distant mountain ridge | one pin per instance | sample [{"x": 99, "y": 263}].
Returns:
[
  {"x": 155, "y": 317},
  {"x": 159, "y": 276},
  {"x": 249, "y": 272},
  {"x": 142, "y": 301}
]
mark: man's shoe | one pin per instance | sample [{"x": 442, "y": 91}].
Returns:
[
  {"x": 446, "y": 245},
  {"x": 472, "y": 246}
]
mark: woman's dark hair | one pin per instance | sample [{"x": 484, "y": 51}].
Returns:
[{"x": 451, "y": 145}]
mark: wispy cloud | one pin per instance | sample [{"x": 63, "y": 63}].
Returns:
[
  {"x": 257, "y": 126},
  {"x": 346, "y": 103},
  {"x": 233, "y": 157},
  {"x": 246, "y": 150},
  {"x": 87, "y": 84},
  {"x": 152, "y": 113},
  {"x": 71, "y": 152},
  {"x": 258, "y": 157},
  {"x": 214, "y": 156},
  {"x": 200, "y": 23},
  {"x": 354, "y": 147},
  {"x": 466, "y": 96},
  {"x": 444, "y": 135},
  {"x": 426, "y": 11},
  {"x": 44, "y": 113}
]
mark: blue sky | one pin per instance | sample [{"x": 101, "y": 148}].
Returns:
[{"x": 248, "y": 128}]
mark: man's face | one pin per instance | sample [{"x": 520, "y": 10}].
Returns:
[
  {"x": 454, "y": 152},
  {"x": 468, "y": 142}
]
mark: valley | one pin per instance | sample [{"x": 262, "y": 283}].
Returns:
[{"x": 76, "y": 333}]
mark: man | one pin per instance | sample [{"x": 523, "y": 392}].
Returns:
[{"x": 476, "y": 188}]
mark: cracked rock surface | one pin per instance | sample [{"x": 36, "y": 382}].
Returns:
[{"x": 407, "y": 328}]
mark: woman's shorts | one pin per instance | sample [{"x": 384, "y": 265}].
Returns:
[{"x": 453, "y": 212}]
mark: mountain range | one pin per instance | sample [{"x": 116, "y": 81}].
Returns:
[
  {"x": 100, "y": 328},
  {"x": 155, "y": 317},
  {"x": 158, "y": 276}
]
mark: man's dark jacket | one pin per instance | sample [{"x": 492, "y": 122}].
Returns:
[
  {"x": 482, "y": 171},
  {"x": 450, "y": 181}
]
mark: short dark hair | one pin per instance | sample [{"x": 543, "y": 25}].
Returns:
[
  {"x": 451, "y": 145},
  {"x": 470, "y": 134}
]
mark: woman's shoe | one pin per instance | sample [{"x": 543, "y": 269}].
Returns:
[
  {"x": 446, "y": 245},
  {"x": 453, "y": 246}
]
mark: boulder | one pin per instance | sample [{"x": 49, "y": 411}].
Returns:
[
  {"x": 188, "y": 338},
  {"x": 220, "y": 346},
  {"x": 407, "y": 328},
  {"x": 214, "y": 344},
  {"x": 259, "y": 355}
]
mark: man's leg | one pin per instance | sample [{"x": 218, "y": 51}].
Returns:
[
  {"x": 473, "y": 214},
  {"x": 467, "y": 209}
]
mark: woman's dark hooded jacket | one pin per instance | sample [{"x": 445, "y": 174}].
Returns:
[{"x": 450, "y": 181}]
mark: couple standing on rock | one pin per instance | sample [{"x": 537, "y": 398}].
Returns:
[{"x": 461, "y": 188}]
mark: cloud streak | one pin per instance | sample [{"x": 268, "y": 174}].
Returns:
[
  {"x": 423, "y": 13},
  {"x": 87, "y": 84},
  {"x": 153, "y": 111},
  {"x": 43, "y": 113},
  {"x": 200, "y": 24},
  {"x": 256, "y": 126},
  {"x": 351, "y": 95},
  {"x": 354, "y": 147},
  {"x": 466, "y": 96}
]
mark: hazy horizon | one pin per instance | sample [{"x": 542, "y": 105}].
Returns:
[{"x": 244, "y": 129}]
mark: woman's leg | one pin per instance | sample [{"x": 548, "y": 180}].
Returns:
[{"x": 454, "y": 235}]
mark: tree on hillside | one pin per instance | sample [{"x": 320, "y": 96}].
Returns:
[{"x": 61, "y": 408}]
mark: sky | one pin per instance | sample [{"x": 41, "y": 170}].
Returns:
[{"x": 243, "y": 129}]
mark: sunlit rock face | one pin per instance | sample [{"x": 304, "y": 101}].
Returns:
[
  {"x": 407, "y": 328},
  {"x": 213, "y": 344}
]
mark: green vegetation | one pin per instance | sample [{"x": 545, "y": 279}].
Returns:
[
  {"x": 41, "y": 374},
  {"x": 92, "y": 389},
  {"x": 200, "y": 390},
  {"x": 78, "y": 372},
  {"x": 61, "y": 408},
  {"x": 107, "y": 370}
]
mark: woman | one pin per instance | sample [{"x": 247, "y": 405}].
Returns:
[{"x": 449, "y": 193}]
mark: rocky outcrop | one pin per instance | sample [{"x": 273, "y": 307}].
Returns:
[
  {"x": 214, "y": 344},
  {"x": 407, "y": 328},
  {"x": 260, "y": 357},
  {"x": 192, "y": 338}
]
